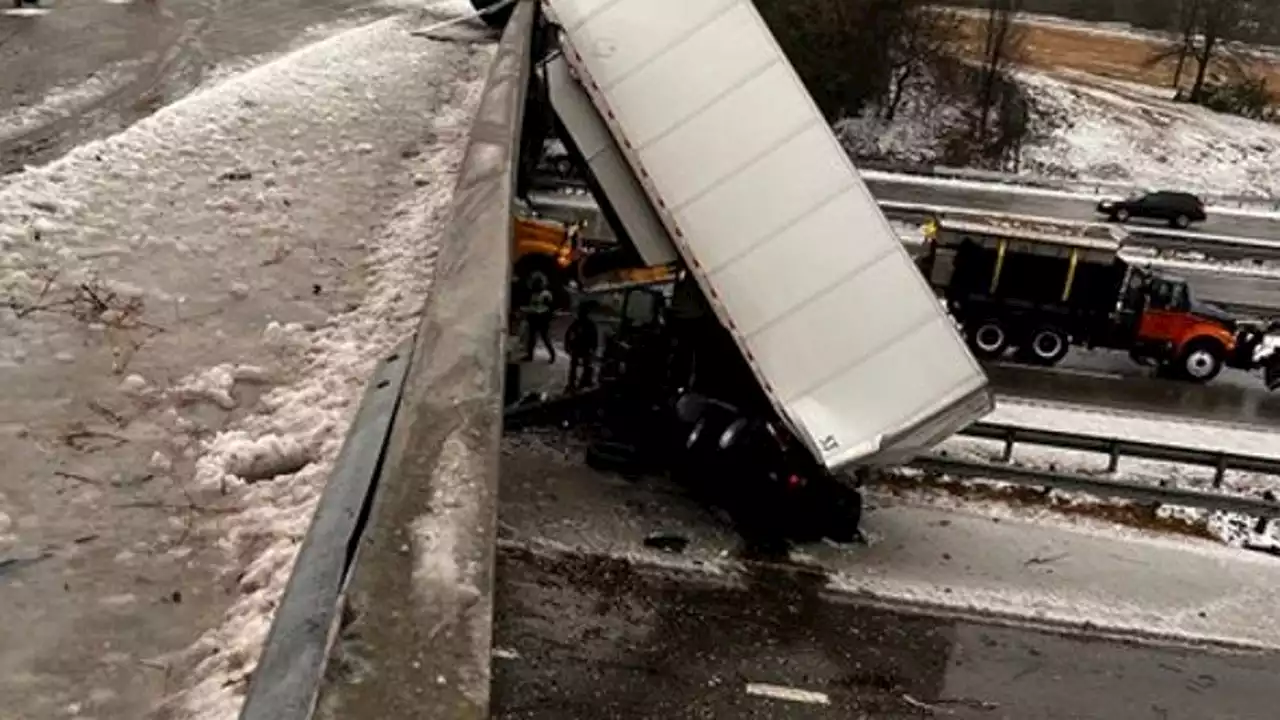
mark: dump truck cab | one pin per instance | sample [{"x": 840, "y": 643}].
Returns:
[
  {"x": 546, "y": 246},
  {"x": 1191, "y": 339}
]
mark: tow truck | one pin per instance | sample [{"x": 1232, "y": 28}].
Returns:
[
  {"x": 1037, "y": 291},
  {"x": 771, "y": 369}
]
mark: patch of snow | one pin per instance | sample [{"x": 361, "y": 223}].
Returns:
[
  {"x": 297, "y": 439},
  {"x": 1047, "y": 416},
  {"x": 1108, "y": 134},
  {"x": 1232, "y": 529},
  {"x": 147, "y": 211},
  {"x": 1113, "y": 135}
]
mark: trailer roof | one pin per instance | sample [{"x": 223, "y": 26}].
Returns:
[{"x": 1087, "y": 239}]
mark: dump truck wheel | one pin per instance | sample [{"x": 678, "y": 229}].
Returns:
[
  {"x": 1201, "y": 361},
  {"x": 1048, "y": 346},
  {"x": 988, "y": 339}
]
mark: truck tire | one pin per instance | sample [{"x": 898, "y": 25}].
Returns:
[
  {"x": 1047, "y": 346},
  {"x": 1201, "y": 361},
  {"x": 1121, "y": 215},
  {"x": 497, "y": 18},
  {"x": 1182, "y": 222},
  {"x": 988, "y": 339}
]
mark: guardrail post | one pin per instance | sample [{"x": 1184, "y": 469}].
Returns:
[
  {"x": 1113, "y": 456},
  {"x": 1219, "y": 471},
  {"x": 1010, "y": 437}
]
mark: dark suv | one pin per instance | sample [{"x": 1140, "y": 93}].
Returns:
[{"x": 1179, "y": 209}]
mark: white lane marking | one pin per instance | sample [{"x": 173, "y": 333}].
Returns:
[
  {"x": 1077, "y": 372},
  {"x": 505, "y": 654},
  {"x": 790, "y": 694}
]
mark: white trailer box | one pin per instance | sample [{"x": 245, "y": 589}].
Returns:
[
  {"x": 781, "y": 233},
  {"x": 604, "y": 158}
]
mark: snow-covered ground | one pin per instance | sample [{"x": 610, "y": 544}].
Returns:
[
  {"x": 217, "y": 281},
  {"x": 1231, "y": 529},
  {"x": 1099, "y": 130}
]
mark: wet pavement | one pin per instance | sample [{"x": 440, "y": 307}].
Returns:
[
  {"x": 1111, "y": 381},
  {"x": 1055, "y": 207},
  {"x": 581, "y": 636},
  {"x": 119, "y": 62}
]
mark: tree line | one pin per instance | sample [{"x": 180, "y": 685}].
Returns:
[{"x": 860, "y": 56}]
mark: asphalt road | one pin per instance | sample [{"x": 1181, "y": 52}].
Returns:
[
  {"x": 596, "y": 637},
  {"x": 591, "y": 622},
  {"x": 1109, "y": 380},
  {"x": 1000, "y": 200}
]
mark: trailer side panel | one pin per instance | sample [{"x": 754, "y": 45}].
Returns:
[{"x": 780, "y": 231}]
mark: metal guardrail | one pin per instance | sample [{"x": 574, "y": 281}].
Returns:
[
  {"x": 421, "y": 593},
  {"x": 286, "y": 681},
  {"x": 388, "y": 610},
  {"x": 1221, "y": 462},
  {"x": 1101, "y": 487},
  {"x": 1223, "y": 247},
  {"x": 1084, "y": 187}
]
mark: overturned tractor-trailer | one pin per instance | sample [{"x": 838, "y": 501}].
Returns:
[{"x": 796, "y": 340}]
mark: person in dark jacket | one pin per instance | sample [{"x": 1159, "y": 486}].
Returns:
[
  {"x": 580, "y": 340},
  {"x": 538, "y": 315}
]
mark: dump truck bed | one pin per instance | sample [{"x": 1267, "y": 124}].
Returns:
[{"x": 776, "y": 225}]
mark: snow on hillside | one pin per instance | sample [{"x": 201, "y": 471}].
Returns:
[{"x": 1092, "y": 128}]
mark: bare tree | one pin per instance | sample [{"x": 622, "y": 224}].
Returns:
[
  {"x": 1219, "y": 19},
  {"x": 1002, "y": 45},
  {"x": 923, "y": 37}
]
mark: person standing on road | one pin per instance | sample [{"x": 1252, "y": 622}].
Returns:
[
  {"x": 580, "y": 340},
  {"x": 538, "y": 316}
]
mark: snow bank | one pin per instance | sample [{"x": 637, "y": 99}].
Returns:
[{"x": 248, "y": 222}]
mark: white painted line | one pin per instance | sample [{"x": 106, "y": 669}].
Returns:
[
  {"x": 1076, "y": 372},
  {"x": 505, "y": 654},
  {"x": 790, "y": 694}
]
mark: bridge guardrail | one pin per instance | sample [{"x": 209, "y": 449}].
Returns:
[
  {"x": 1114, "y": 449},
  {"x": 388, "y": 610},
  {"x": 1084, "y": 187},
  {"x": 1221, "y": 247}
]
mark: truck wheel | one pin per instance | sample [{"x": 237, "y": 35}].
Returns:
[
  {"x": 988, "y": 339},
  {"x": 1048, "y": 346},
  {"x": 1201, "y": 361},
  {"x": 1182, "y": 221},
  {"x": 1121, "y": 215}
]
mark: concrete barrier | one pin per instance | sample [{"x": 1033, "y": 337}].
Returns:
[{"x": 415, "y": 641}]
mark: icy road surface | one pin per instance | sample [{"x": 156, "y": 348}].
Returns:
[
  {"x": 193, "y": 307},
  {"x": 89, "y": 68}
]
